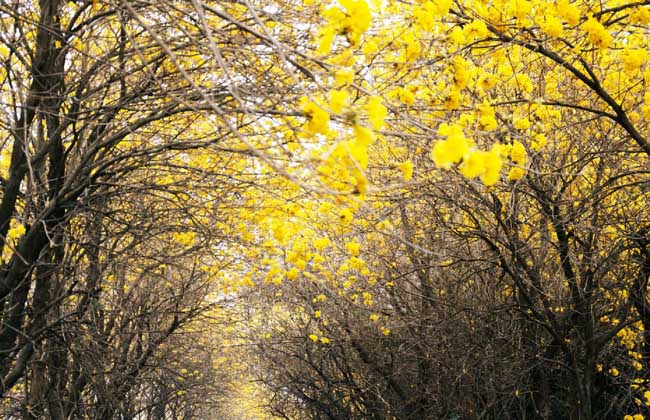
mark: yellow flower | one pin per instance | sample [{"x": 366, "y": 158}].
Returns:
[
  {"x": 406, "y": 168},
  {"x": 183, "y": 238},
  {"x": 493, "y": 164},
  {"x": 486, "y": 81},
  {"x": 345, "y": 216},
  {"x": 325, "y": 40},
  {"x": 358, "y": 19},
  {"x": 452, "y": 101},
  {"x": 406, "y": 96},
  {"x": 359, "y": 152},
  {"x": 597, "y": 33},
  {"x": 344, "y": 77},
  {"x": 521, "y": 123},
  {"x": 321, "y": 243},
  {"x": 443, "y": 155},
  {"x": 487, "y": 116},
  {"x": 516, "y": 173},
  {"x": 475, "y": 30},
  {"x": 344, "y": 59},
  {"x": 518, "y": 153},
  {"x": 356, "y": 263},
  {"x": 633, "y": 58},
  {"x": 376, "y": 112},
  {"x": 412, "y": 46},
  {"x": 369, "y": 48},
  {"x": 461, "y": 73},
  {"x": 360, "y": 182},
  {"x": 317, "y": 118},
  {"x": 353, "y": 248},
  {"x": 551, "y": 26},
  {"x": 569, "y": 12},
  {"x": 457, "y": 36},
  {"x": 473, "y": 164},
  {"x": 17, "y": 230},
  {"x": 425, "y": 14},
  {"x": 293, "y": 274},
  {"x": 642, "y": 16},
  {"x": 313, "y": 337},
  {"x": 338, "y": 100},
  {"x": 450, "y": 151},
  {"x": 363, "y": 135},
  {"x": 519, "y": 9},
  {"x": 538, "y": 142}
]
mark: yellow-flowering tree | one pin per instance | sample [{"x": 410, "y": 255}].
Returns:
[
  {"x": 514, "y": 137},
  {"x": 127, "y": 135}
]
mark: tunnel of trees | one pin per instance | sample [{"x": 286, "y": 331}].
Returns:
[{"x": 337, "y": 210}]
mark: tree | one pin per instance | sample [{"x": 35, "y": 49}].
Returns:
[
  {"x": 127, "y": 140},
  {"x": 551, "y": 94}
]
